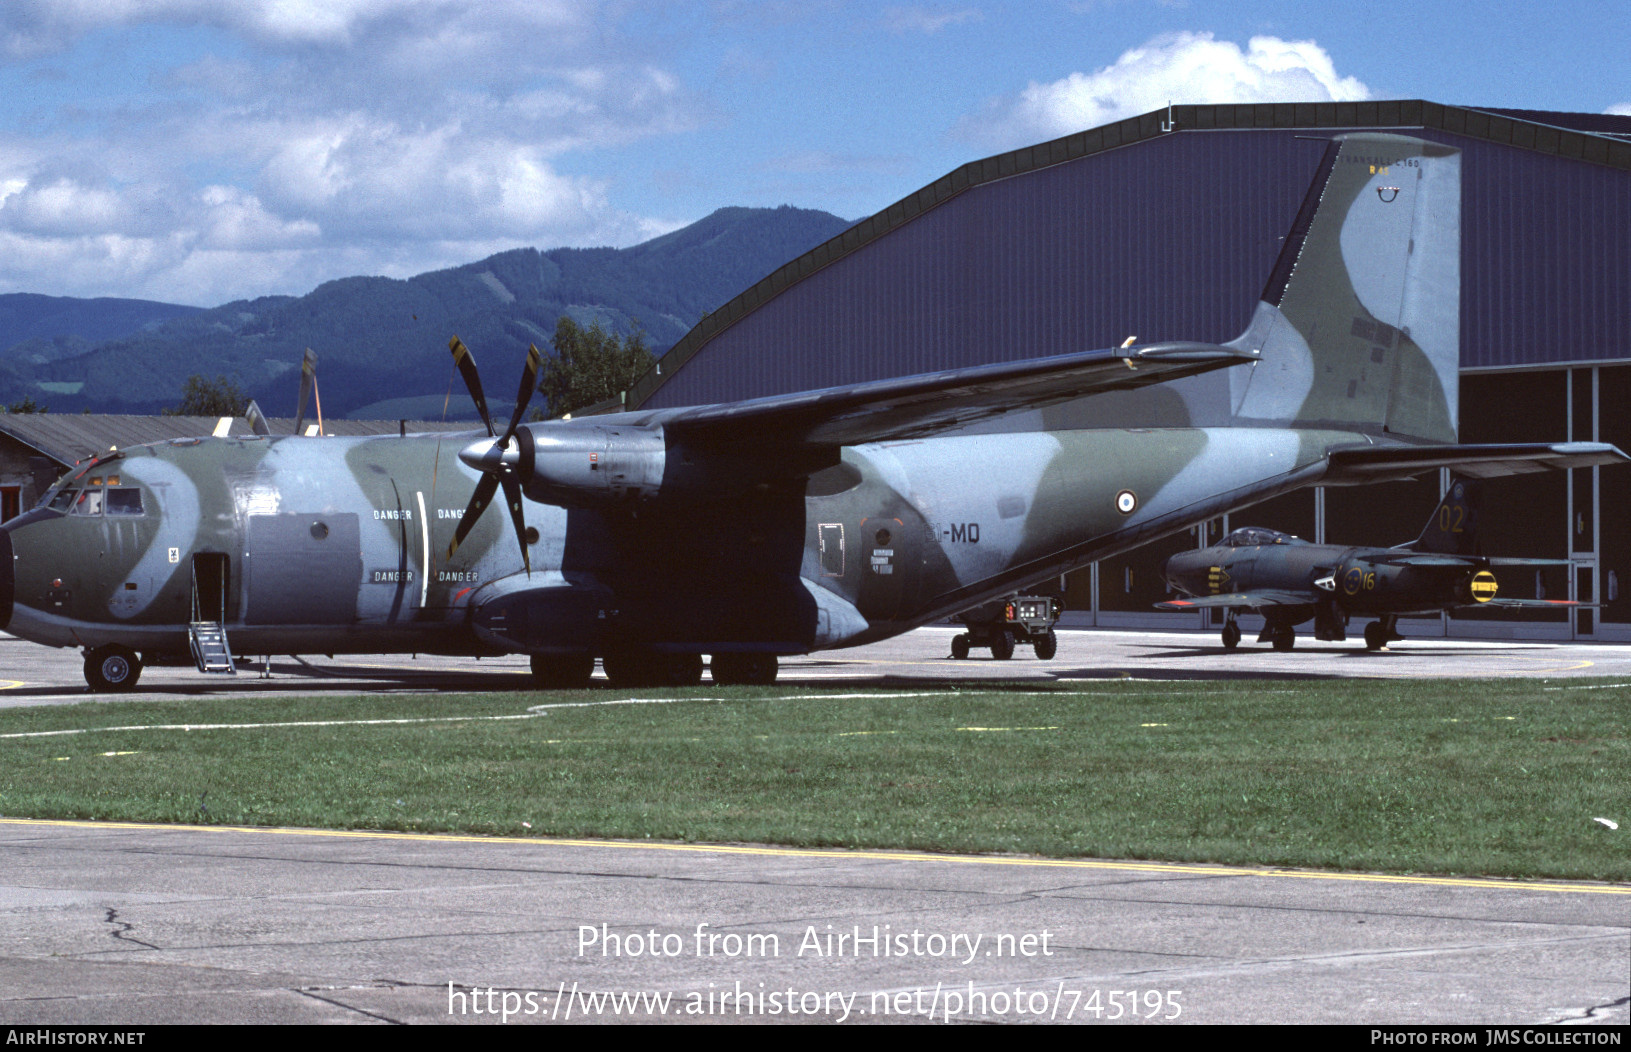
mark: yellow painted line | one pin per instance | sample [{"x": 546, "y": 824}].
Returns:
[
  {"x": 869, "y": 856},
  {"x": 12, "y": 684}
]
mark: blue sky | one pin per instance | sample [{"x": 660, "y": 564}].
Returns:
[{"x": 198, "y": 151}]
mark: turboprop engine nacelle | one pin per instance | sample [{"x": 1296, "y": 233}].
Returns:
[{"x": 577, "y": 465}]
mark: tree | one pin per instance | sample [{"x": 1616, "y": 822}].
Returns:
[
  {"x": 204, "y": 397},
  {"x": 591, "y": 365},
  {"x": 26, "y": 404}
]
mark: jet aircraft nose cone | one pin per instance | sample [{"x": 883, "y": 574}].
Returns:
[{"x": 8, "y": 577}]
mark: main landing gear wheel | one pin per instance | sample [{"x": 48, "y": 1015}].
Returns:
[
  {"x": 648, "y": 668},
  {"x": 1231, "y": 635},
  {"x": 1002, "y": 645},
  {"x": 1047, "y": 645},
  {"x": 562, "y": 671},
  {"x": 749, "y": 670},
  {"x": 1284, "y": 638},
  {"x": 959, "y": 646},
  {"x": 1375, "y": 636},
  {"x": 112, "y": 669}
]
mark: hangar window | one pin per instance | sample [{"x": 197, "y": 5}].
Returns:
[{"x": 124, "y": 501}]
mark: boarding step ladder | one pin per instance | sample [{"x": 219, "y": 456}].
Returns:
[{"x": 210, "y": 650}]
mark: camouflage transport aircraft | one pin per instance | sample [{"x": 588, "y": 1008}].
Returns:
[
  {"x": 1289, "y": 580},
  {"x": 778, "y": 525}
]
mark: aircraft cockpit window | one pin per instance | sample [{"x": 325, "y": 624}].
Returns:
[
  {"x": 89, "y": 502},
  {"x": 63, "y": 500},
  {"x": 124, "y": 500},
  {"x": 1253, "y": 536}
]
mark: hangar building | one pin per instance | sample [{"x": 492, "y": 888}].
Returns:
[{"x": 1165, "y": 227}]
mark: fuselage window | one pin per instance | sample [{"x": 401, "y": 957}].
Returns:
[
  {"x": 89, "y": 502},
  {"x": 124, "y": 501}
]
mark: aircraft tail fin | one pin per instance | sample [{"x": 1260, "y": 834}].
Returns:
[
  {"x": 1359, "y": 324},
  {"x": 1453, "y": 529}
]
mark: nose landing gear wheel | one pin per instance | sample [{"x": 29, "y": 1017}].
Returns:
[
  {"x": 754, "y": 670},
  {"x": 562, "y": 671},
  {"x": 112, "y": 669}
]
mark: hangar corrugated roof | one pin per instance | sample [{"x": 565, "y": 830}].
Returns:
[{"x": 1591, "y": 138}]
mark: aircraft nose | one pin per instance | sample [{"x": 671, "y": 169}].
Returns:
[{"x": 8, "y": 578}]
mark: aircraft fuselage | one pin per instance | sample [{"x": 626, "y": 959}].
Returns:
[{"x": 339, "y": 545}]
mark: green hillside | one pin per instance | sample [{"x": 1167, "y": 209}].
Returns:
[{"x": 382, "y": 338}]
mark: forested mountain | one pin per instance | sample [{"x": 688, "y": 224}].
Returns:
[
  {"x": 36, "y": 328},
  {"x": 382, "y": 339}
]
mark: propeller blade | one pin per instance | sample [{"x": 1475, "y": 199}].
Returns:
[
  {"x": 308, "y": 377},
  {"x": 529, "y": 384},
  {"x": 478, "y": 503},
  {"x": 472, "y": 380},
  {"x": 512, "y": 497}
]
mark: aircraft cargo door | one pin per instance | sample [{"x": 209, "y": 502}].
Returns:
[{"x": 303, "y": 569}]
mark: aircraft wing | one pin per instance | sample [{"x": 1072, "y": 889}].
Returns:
[
  {"x": 930, "y": 403},
  {"x": 1410, "y": 558},
  {"x": 1355, "y": 465},
  {"x": 1244, "y": 600}
]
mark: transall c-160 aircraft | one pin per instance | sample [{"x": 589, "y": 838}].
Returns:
[{"x": 779, "y": 525}]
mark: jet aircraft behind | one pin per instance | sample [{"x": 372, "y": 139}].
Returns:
[
  {"x": 778, "y": 525},
  {"x": 1289, "y": 580}
]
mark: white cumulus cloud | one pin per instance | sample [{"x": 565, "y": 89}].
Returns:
[
  {"x": 290, "y": 142},
  {"x": 1177, "y": 68}
]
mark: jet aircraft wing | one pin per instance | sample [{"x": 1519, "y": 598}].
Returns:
[
  {"x": 931, "y": 403},
  {"x": 1355, "y": 465},
  {"x": 1248, "y": 600},
  {"x": 1393, "y": 557}
]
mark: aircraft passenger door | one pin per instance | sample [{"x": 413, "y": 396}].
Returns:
[{"x": 212, "y": 579}]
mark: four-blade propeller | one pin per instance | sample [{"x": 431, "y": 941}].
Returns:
[{"x": 495, "y": 458}]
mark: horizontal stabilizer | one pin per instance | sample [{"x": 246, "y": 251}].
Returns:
[
  {"x": 1357, "y": 465},
  {"x": 1246, "y": 600},
  {"x": 932, "y": 403}
]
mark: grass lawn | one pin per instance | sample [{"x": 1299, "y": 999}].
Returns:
[{"x": 1466, "y": 777}]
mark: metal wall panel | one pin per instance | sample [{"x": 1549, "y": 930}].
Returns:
[{"x": 1170, "y": 238}]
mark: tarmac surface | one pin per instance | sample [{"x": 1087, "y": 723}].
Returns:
[
  {"x": 36, "y": 675},
  {"x": 132, "y": 925},
  {"x": 125, "y": 924}
]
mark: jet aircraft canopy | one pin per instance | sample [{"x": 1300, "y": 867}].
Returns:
[{"x": 1253, "y": 536}]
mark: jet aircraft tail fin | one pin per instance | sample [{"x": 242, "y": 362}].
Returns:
[
  {"x": 1359, "y": 324},
  {"x": 1453, "y": 528}
]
